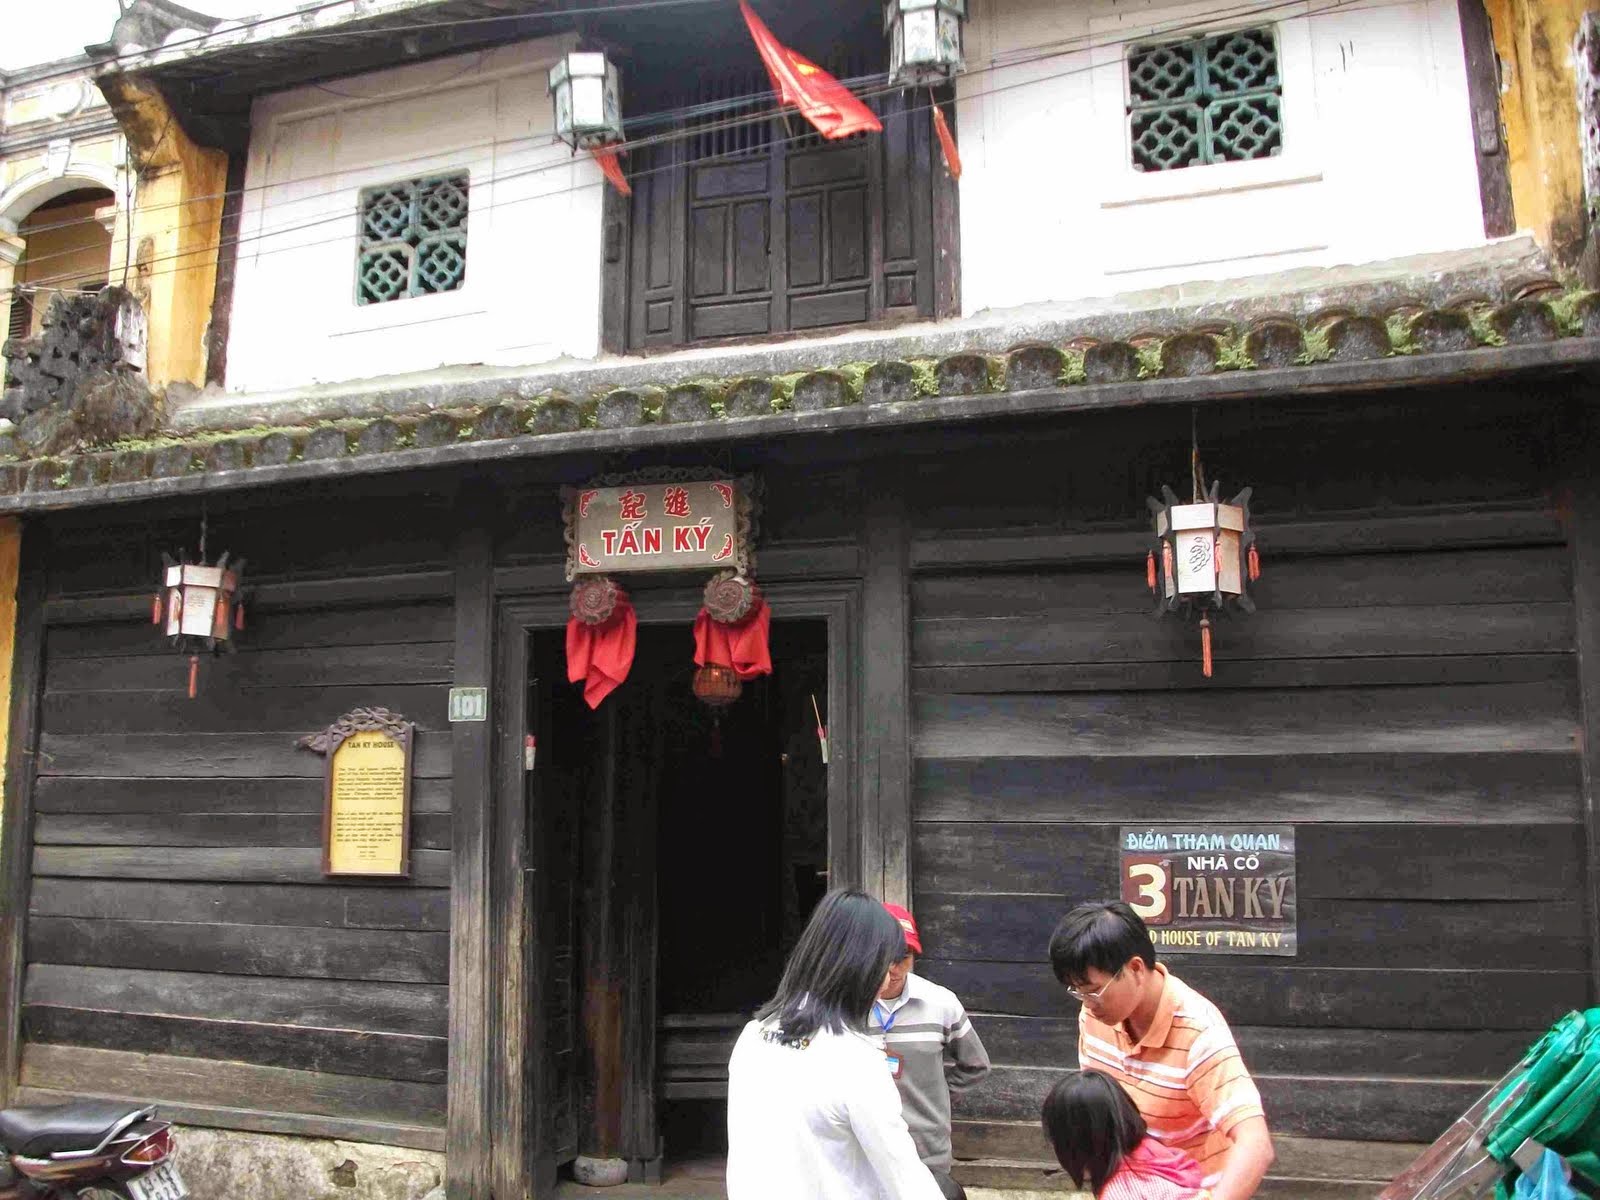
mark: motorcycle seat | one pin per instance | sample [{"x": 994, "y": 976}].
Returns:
[{"x": 52, "y": 1129}]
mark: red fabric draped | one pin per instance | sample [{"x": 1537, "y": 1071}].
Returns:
[
  {"x": 600, "y": 656},
  {"x": 612, "y": 167},
  {"x": 821, "y": 99},
  {"x": 742, "y": 647},
  {"x": 947, "y": 142}
]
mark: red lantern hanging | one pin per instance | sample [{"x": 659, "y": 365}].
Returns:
[
  {"x": 1207, "y": 554},
  {"x": 199, "y": 607},
  {"x": 717, "y": 687}
]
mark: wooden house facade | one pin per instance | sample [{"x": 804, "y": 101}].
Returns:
[{"x": 966, "y": 601}]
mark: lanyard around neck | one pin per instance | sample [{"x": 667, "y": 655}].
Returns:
[{"x": 886, "y": 1019}]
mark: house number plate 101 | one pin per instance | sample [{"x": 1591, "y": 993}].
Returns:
[{"x": 469, "y": 704}]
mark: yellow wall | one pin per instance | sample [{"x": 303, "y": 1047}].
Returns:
[
  {"x": 1539, "y": 105},
  {"x": 176, "y": 224}
]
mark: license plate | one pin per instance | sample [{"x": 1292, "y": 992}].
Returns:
[{"x": 159, "y": 1183}]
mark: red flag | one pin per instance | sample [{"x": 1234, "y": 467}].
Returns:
[
  {"x": 609, "y": 164},
  {"x": 947, "y": 142},
  {"x": 821, "y": 98}
]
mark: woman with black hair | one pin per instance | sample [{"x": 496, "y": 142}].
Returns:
[
  {"x": 813, "y": 1112},
  {"x": 1101, "y": 1142}
]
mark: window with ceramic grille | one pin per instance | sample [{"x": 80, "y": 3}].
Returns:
[
  {"x": 1204, "y": 100},
  {"x": 413, "y": 238}
]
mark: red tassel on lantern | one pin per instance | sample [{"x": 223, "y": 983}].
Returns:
[
  {"x": 238, "y": 616},
  {"x": 1255, "y": 563},
  {"x": 1150, "y": 570},
  {"x": 1205, "y": 646},
  {"x": 1166, "y": 563},
  {"x": 155, "y": 609},
  {"x": 194, "y": 673}
]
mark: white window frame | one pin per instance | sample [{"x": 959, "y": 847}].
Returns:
[{"x": 1300, "y": 160}]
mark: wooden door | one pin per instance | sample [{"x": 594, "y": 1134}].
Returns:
[
  {"x": 762, "y": 229},
  {"x": 555, "y": 789}
]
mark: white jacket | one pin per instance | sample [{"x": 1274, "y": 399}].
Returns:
[{"x": 818, "y": 1123}]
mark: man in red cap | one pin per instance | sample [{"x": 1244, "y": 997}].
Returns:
[{"x": 932, "y": 1050}]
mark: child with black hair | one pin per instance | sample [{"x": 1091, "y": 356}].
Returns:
[{"x": 1101, "y": 1142}]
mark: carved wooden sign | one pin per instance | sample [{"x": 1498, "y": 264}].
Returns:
[
  {"x": 671, "y": 525},
  {"x": 366, "y": 815}
]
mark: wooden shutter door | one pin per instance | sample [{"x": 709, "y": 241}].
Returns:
[
  {"x": 730, "y": 264},
  {"x": 905, "y": 163},
  {"x": 829, "y": 234},
  {"x": 655, "y": 306}
]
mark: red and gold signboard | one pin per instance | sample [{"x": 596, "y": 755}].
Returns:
[{"x": 674, "y": 526}]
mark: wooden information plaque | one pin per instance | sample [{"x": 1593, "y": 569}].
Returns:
[{"x": 366, "y": 816}]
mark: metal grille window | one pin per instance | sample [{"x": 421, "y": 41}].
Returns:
[
  {"x": 1205, "y": 100},
  {"x": 413, "y": 238}
]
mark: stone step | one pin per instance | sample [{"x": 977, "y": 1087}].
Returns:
[{"x": 1000, "y": 1177}]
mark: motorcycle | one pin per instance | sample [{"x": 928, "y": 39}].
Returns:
[{"x": 93, "y": 1150}]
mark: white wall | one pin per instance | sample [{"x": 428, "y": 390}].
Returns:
[
  {"x": 1377, "y": 161},
  {"x": 532, "y": 287}
]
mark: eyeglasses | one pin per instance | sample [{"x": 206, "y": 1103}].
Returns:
[{"x": 1094, "y": 997}]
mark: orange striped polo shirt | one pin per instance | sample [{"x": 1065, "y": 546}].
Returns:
[{"x": 1185, "y": 1075}]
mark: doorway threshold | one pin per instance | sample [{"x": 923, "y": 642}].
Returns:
[{"x": 694, "y": 1179}]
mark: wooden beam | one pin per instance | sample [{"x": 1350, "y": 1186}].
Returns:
[
  {"x": 514, "y": 1066},
  {"x": 886, "y": 690},
  {"x": 1521, "y": 526},
  {"x": 1583, "y": 520},
  {"x": 1488, "y": 135},
  {"x": 221, "y": 322},
  {"x": 616, "y": 231},
  {"x": 16, "y": 817},
  {"x": 472, "y": 1023}
]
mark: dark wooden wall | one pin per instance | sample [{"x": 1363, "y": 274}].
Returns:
[
  {"x": 1406, "y": 698},
  {"x": 182, "y": 945}
]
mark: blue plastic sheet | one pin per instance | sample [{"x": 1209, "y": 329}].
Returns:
[{"x": 1547, "y": 1181}]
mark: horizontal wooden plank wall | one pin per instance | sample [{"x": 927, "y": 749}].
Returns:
[
  {"x": 182, "y": 944},
  {"x": 1412, "y": 714}
]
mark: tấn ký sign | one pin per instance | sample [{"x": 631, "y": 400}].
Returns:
[
  {"x": 1212, "y": 889},
  {"x": 673, "y": 526}
]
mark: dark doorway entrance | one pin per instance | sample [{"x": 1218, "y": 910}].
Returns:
[{"x": 684, "y": 847}]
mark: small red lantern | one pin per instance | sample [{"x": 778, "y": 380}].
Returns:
[{"x": 717, "y": 687}]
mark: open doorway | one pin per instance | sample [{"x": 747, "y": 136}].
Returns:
[{"x": 693, "y": 844}]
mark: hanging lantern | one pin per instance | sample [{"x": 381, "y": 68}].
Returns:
[
  {"x": 1203, "y": 558},
  {"x": 924, "y": 40},
  {"x": 717, "y": 687},
  {"x": 588, "y": 100},
  {"x": 199, "y": 606}
]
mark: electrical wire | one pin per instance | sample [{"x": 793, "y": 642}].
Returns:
[
  {"x": 295, "y": 15},
  {"x": 676, "y": 134},
  {"x": 1023, "y": 56},
  {"x": 1077, "y": 43}
]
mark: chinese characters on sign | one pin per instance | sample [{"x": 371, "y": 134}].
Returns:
[
  {"x": 1213, "y": 889},
  {"x": 656, "y": 527}
]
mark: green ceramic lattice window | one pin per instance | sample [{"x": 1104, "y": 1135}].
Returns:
[
  {"x": 413, "y": 238},
  {"x": 1205, "y": 100}
]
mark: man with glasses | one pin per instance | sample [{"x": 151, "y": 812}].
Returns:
[{"x": 1166, "y": 1044}]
